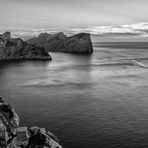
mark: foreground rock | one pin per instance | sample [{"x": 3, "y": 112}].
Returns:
[
  {"x": 79, "y": 43},
  {"x": 14, "y": 49},
  {"x": 13, "y": 136}
]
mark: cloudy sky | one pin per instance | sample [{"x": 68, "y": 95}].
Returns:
[{"x": 103, "y": 18}]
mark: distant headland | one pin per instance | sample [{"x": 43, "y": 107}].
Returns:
[
  {"x": 38, "y": 48},
  {"x": 80, "y": 43}
]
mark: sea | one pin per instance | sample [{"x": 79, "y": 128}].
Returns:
[{"x": 87, "y": 101}]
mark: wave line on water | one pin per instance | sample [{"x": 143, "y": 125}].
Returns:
[{"x": 139, "y": 64}]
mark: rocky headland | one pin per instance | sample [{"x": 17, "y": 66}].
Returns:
[
  {"x": 17, "y": 49},
  {"x": 80, "y": 43},
  {"x": 37, "y": 48}
]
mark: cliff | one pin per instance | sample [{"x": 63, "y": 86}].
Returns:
[
  {"x": 16, "y": 48},
  {"x": 79, "y": 43}
]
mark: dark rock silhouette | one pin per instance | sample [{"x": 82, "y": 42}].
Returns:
[
  {"x": 14, "y": 136},
  {"x": 14, "y": 49},
  {"x": 79, "y": 43}
]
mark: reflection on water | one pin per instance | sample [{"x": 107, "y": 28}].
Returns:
[{"x": 87, "y": 101}]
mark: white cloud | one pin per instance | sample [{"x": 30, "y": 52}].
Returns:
[
  {"x": 127, "y": 30},
  {"x": 140, "y": 29}
]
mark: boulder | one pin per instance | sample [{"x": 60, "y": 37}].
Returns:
[
  {"x": 40, "y": 136},
  {"x": 35, "y": 137},
  {"x": 79, "y": 43},
  {"x": 17, "y": 49},
  {"x": 13, "y": 136}
]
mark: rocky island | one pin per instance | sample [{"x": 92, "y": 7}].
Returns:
[
  {"x": 37, "y": 48},
  {"x": 79, "y": 43},
  {"x": 17, "y": 49}
]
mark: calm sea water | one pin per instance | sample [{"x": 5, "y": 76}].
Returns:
[{"x": 96, "y": 101}]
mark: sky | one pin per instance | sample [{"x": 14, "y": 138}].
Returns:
[{"x": 112, "y": 19}]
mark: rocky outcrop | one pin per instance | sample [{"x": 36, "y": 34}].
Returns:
[
  {"x": 41, "y": 136},
  {"x": 14, "y": 49},
  {"x": 79, "y": 43},
  {"x": 14, "y": 136}
]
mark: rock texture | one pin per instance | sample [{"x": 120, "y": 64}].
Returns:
[
  {"x": 14, "y": 136},
  {"x": 14, "y": 49},
  {"x": 41, "y": 136},
  {"x": 79, "y": 43}
]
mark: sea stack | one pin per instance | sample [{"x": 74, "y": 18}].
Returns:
[
  {"x": 17, "y": 49},
  {"x": 80, "y": 43}
]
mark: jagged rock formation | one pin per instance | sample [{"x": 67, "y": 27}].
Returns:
[
  {"x": 13, "y": 49},
  {"x": 40, "y": 136},
  {"x": 35, "y": 137},
  {"x": 79, "y": 43},
  {"x": 14, "y": 136}
]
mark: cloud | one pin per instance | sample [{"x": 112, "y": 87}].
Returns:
[
  {"x": 33, "y": 32},
  {"x": 139, "y": 29},
  {"x": 114, "y": 31},
  {"x": 25, "y": 34}
]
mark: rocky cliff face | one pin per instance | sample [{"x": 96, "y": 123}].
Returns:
[
  {"x": 14, "y": 136},
  {"x": 79, "y": 43},
  {"x": 13, "y": 49}
]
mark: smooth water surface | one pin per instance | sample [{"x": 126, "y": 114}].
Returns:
[{"x": 88, "y": 101}]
